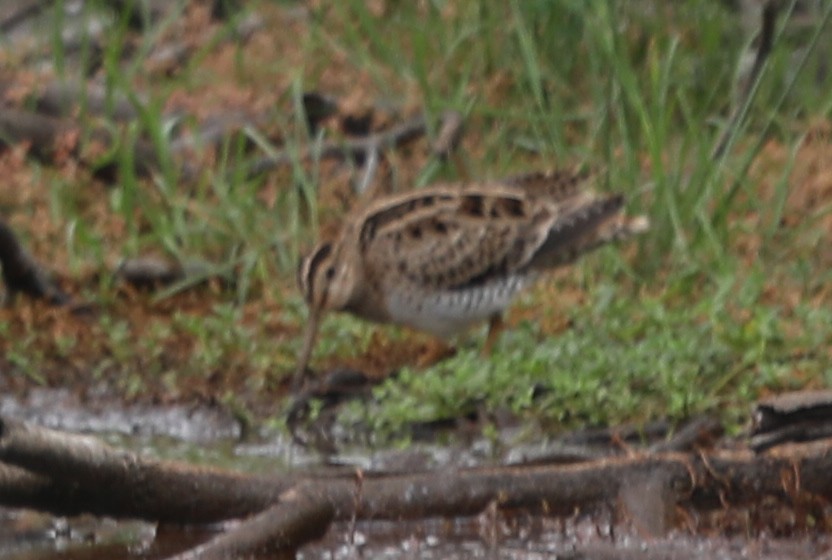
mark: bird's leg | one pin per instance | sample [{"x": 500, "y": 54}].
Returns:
[
  {"x": 495, "y": 328},
  {"x": 435, "y": 351}
]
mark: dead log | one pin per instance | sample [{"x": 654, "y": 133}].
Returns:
[
  {"x": 85, "y": 475},
  {"x": 700, "y": 482},
  {"x": 647, "y": 488},
  {"x": 22, "y": 488}
]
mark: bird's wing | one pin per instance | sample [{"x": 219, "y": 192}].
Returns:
[{"x": 451, "y": 238}]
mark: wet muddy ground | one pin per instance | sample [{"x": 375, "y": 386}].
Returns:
[
  {"x": 205, "y": 434},
  {"x": 483, "y": 537}
]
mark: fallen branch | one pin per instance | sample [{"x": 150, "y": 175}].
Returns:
[{"x": 83, "y": 475}]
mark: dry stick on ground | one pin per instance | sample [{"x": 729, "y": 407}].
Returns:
[
  {"x": 22, "y": 274},
  {"x": 50, "y": 137},
  {"x": 766, "y": 41},
  {"x": 86, "y": 476},
  {"x": 393, "y": 137},
  {"x": 700, "y": 432}
]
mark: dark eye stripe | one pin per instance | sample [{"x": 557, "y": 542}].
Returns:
[{"x": 309, "y": 267}]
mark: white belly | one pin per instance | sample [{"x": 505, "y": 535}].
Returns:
[{"x": 449, "y": 312}]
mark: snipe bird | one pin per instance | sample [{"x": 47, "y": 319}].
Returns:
[{"x": 441, "y": 258}]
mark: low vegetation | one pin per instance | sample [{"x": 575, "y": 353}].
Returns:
[{"x": 726, "y": 299}]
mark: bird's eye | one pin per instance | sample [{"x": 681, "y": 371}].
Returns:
[{"x": 330, "y": 273}]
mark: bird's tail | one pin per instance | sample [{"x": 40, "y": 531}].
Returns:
[{"x": 587, "y": 225}]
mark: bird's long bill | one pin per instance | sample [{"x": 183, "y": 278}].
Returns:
[{"x": 308, "y": 343}]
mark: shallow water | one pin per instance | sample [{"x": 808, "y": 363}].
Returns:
[
  {"x": 208, "y": 435},
  {"x": 486, "y": 536}
]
